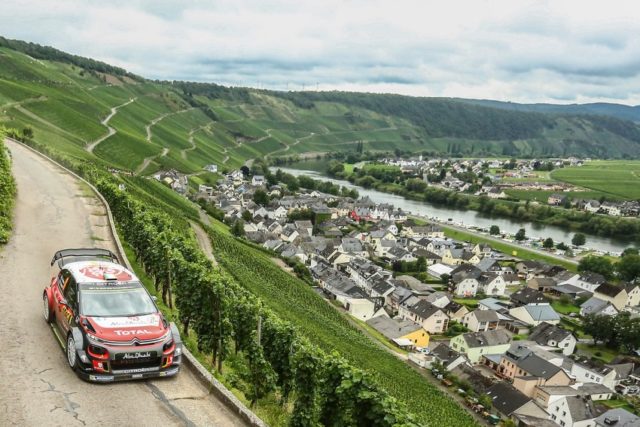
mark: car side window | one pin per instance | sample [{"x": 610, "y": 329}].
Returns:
[
  {"x": 70, "y": 292},
  {"x": 63, "y": 280}
]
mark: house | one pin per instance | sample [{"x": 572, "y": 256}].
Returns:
[
  {"x": 432, "y": 318},
  {"x": 211, "y": 168},
  {"x": 528, "y": 296},
  {"x": 573, "y": 411},
  {"x": 491, "y": 284},
  {"x": 553, "y": 337},
  {"x": 528, "y": 268},
  {"x": 510, "y": 402},
  {"x": 556, "y": 199},
  {"x": 475, "y": 344},
  {"x": 542, "y": 284},
  {"x": 597, "y": 306},
  {"x": 497, "y": 193},
  {"x": 532, "y": 314},
  {"x": 455, "y": 311},
  {"x": 488, "y": 265},
  {"x": 403, "y": 333},
  {"x": 464, "y": 279},
  {"x": 592, "y": 206},
  {"x": 481, "y": 320},
  {"x": 439, "y": 270},
  {"x": 258, "y": 180},
  {"x": 494, "y": 304},
  {"x": 304, "y": 227},
  {"x": 545, "y": 396},
  {"x": 585, "y": 370},
  {"x": 527, "y": 370},
  {"x": 587, "y": 281},
  {"x": 616, "y": 295},
  {"x": 633, "y": 294},
  {"x": 454, "y": 256},
  {"x": 448, "y": 358},
  {"x": 617, "y": 417}
]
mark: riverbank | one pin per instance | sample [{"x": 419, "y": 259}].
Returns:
[{"x": 464, "y": 215}]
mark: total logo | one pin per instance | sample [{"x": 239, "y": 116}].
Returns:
[
  {"x": 98, "y": 272},
  {"x": 122, "y": 333}
]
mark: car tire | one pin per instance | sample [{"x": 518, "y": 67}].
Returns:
[
  {"x": 46, "y": 308},
  {"x": 72, "y": 354}
]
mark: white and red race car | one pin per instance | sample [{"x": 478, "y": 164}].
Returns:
[{"x": 106, "y": 321}]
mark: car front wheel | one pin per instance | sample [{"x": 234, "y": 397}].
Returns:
[
  {"x": 72, "y": 355},
  {"x": 46, "y": 309}
]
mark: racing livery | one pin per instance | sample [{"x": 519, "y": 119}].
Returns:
[{"x": 106, "y": 321}]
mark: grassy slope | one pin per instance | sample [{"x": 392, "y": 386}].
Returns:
[{"x": 295, "y": 301}]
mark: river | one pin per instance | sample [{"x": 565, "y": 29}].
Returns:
[{"x": 469, "y": 217}]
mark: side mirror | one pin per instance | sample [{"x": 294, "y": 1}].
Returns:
[{"x": 154, "y": 298}]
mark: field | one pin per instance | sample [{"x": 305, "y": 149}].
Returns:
[{"x": 613, "y": 178}]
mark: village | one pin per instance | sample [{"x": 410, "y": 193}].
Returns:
[{"x": 483, "y": 322}]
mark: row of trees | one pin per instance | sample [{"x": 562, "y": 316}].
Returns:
[
  {"x": 226, "y": 317},
  {"x": 619, "y": 331},
  {"x": 7, "y": 192},
  {"x": 627, "y": 268}
]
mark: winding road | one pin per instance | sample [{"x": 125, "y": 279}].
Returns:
[
  {"x": 105, "y": 122},
  {"x": 54, "y": 211}
]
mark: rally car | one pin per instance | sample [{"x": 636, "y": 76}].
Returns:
[{"x": 106, "y": 321}]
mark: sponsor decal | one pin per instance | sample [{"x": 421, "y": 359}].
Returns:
[
  {"x": 98, "y": 272},
  {"x": 101, "y": 377},
  {"x": 128, "y": 322},
  {"x": 137, "y": 370},
  {"x": 123, "y": 333},
  {"x": 136, "y": 355}
]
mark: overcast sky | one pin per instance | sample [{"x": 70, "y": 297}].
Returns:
[{"x": 523, "y": 51}]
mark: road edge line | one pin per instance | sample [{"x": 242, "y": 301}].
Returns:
[{"x": 200, "y": 372}]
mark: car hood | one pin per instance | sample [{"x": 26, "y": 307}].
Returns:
[{"x": 146, "y": 327}]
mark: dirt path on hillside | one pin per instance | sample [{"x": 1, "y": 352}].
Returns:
[
  {"x": 54, "y": 211},
  {"x": 105, "y": 122}
]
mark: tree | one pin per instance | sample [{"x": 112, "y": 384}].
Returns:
[
  {"x": 562, "y": 246},
  {"x": 579, "y": 239},
  {"x": 260, "y": 197},
  {"x": 596, "y": 264},
  {"x": 520, "y": 235},
  {"x": 494, "y": 230},
  {"x": 237, "y": 229},
  {"x": 245, "y": 170},
  {"x": 548, "y": 243},
  {"x": 598, "y": 326},
  {"x": 628, "y": 267},
  {"x": 246, "y": 216},
  {"x": 421, "y": 264}
]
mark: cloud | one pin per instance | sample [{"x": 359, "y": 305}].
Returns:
[{"x": 526, "y": 51}]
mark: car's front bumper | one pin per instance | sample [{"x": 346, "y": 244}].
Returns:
[{"x": 129, "y": 374}]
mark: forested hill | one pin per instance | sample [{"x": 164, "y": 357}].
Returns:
[
  {"x": 515, "y": 130},
  {"x": 64, "y": 99},
  {"x": 619, "y": 111}
]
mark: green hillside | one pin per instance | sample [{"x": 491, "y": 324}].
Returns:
[{"x": 156, "y": 125}]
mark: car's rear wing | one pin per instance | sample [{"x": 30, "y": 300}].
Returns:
[{"x": 65, "y": 256}]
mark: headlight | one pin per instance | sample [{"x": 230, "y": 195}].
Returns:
[{"x": 178, "y": 350}]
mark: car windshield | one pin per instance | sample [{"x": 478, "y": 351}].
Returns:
[{"x": 115, "y": 302}]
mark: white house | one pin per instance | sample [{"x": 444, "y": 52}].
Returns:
[{"x": 535, "y": 314}]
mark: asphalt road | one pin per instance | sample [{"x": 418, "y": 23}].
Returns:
[{"x": 55, "y": 211}]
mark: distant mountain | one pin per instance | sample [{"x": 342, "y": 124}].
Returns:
[
  {"x": 186, "y": 125},
  {"x": 620, "y": 111}
]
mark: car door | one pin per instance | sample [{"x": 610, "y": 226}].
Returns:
[{"x": 67, "y": 301}]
